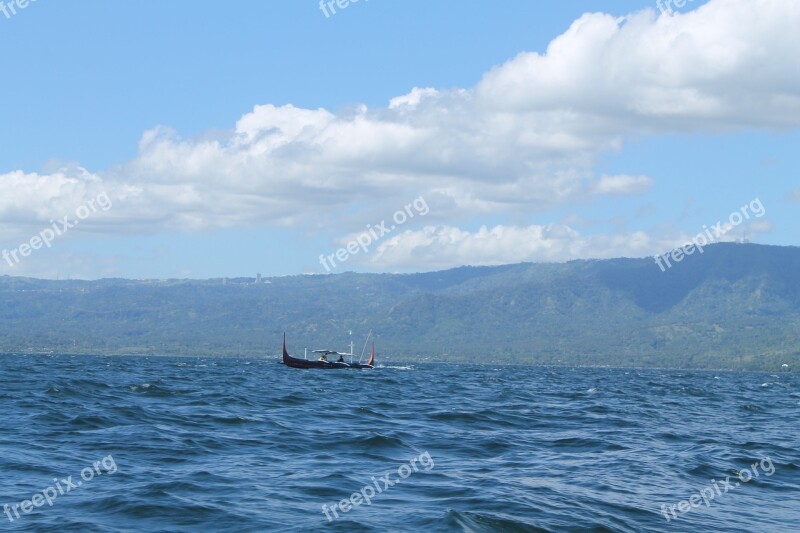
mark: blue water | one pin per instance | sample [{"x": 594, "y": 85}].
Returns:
[{"x": 187, "y": 444}]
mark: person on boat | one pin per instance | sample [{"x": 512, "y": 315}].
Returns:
[
  {"x": 341, "y": 359},
  {"x": 323, "y": 357}
]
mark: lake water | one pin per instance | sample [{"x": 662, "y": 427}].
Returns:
[{"x": 186, "y": 444}]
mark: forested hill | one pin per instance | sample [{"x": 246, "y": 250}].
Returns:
[{"x": 734, "y": 306}]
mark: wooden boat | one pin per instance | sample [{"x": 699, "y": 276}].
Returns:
[{"x": 322, "y": 362}]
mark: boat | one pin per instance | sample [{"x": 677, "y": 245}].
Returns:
[{"x": 322, "y": 362}]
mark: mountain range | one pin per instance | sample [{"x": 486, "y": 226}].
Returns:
[{"x": 734, "y": 306}]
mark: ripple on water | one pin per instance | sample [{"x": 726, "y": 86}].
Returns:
[{"x": 225, "y": 445}]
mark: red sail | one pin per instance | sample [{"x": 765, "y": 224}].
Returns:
[{"x": 371, "y": 361}]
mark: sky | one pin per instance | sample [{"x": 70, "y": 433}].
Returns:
[{"x": 202, "y": 139}]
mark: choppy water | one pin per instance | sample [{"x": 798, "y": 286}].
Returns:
[{"x": 188, "y": 444}]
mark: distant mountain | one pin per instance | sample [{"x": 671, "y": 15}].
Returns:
[{"x": 735, "y": 306}]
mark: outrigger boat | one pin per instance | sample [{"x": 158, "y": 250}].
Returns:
[{"x": 322, "y": 362}]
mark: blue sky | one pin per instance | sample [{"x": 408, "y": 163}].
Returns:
[{"x": 256, "y": 136}]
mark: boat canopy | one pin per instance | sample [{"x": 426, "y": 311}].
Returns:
[{"x": 330, "y": 352}]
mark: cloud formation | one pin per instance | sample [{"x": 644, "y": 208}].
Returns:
[
  {"x": 527, "y": 137},
  {"x": 443, "y": 246}
]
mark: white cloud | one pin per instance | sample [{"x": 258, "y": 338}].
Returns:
[
  {"x": 623, "y": 185},
  {"x": 728, "y": 64},
  {"x": 443, "y": 246},
  {"x": 527, "y": 137},
  {"x": 446, "y": 246},
  {"x": 413, "y": 98}
]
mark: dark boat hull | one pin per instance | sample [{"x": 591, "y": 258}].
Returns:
[{"x": 294, "y": 362}]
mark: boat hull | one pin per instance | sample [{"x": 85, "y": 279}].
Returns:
[{"x": 294, "y": 362}]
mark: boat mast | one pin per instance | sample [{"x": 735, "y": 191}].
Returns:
[
  {"x": 364, "y": 349},
  {"x": 351, "y": 346}
]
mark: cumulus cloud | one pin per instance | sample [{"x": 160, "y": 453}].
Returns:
[
  {"x": 728, "y": 64},
  {"x": 31, "y": 199},
  {"x": 444, "y": 246},
  {"x": 623, "y": 185},
  {"x": 525, "y": 138}
]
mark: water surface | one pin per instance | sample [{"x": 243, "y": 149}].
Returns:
[{"x": 213, "y": 444}]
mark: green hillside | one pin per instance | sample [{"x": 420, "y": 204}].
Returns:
[{"x": 735, "y": 306}]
